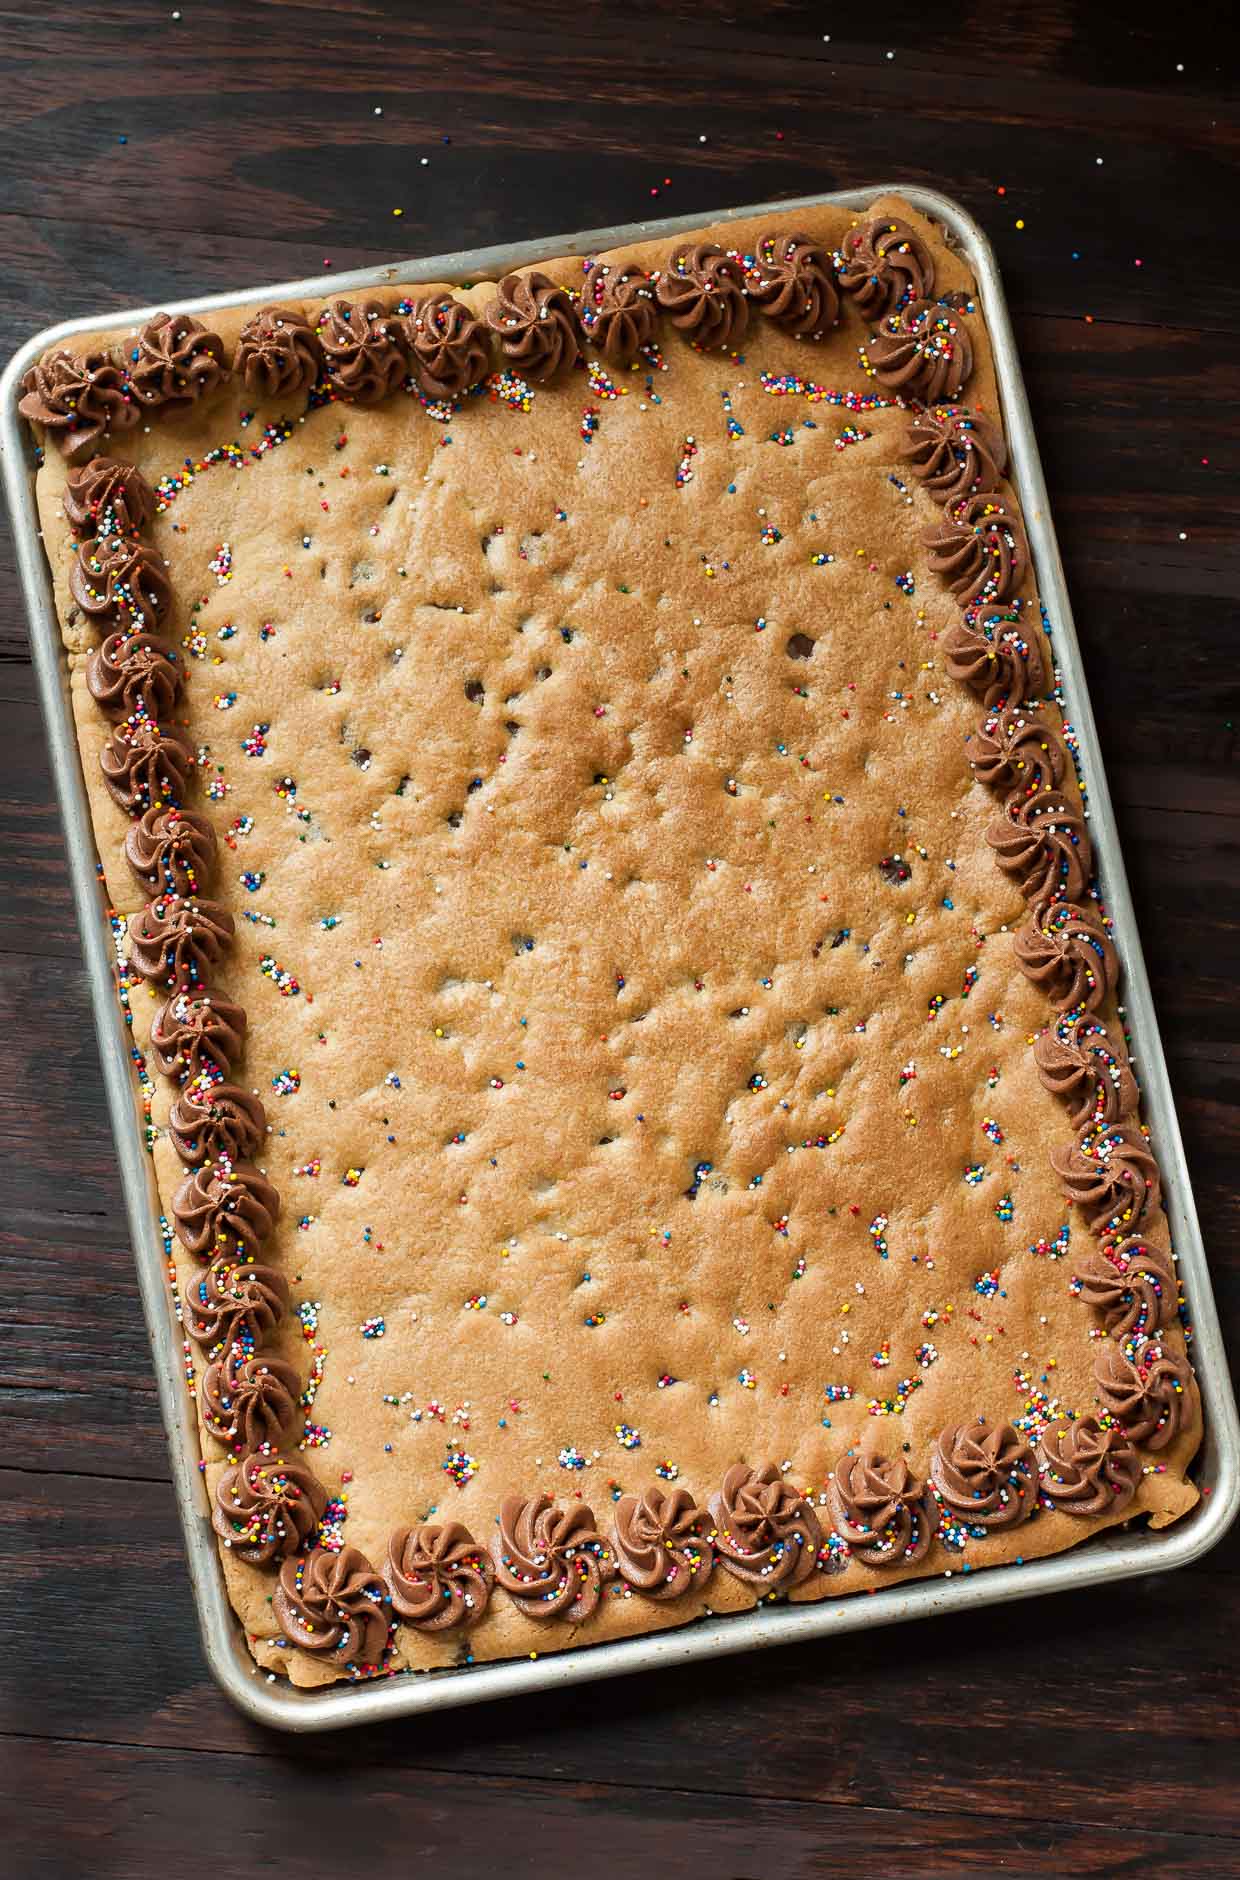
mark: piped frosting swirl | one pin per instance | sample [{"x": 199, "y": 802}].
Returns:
[
  {"x": 1078, "y": 1060},
  {"x": 171, "y": 851},
  {"x": 222, "y": 1208},
  {"x": 145, "y": 765},
  {"x": 954, "y": 452},
  {"x": 278, "y": 353},
  {"x": 333, "y": 1602},
  {"x": 363, "y": 350},
  {"x": 212, "y": 1122},
  {"x": 105, "y": 498},
  {"x": 793, "y": 283},
  {"x": 1067, "y": 951},
  {"x": 979, "y": 549},
  {"x": 1085, "y": 1467},
  {"x": 80, "y": 399},
  {"x": 662, "y": 1542},
  {"x": 234, "y": 1302},
  {"x": 448, "y": 347},
  {"x": 551, "y": 1561},
  {"x": 985, "y": 1474},
  {"x": 250, "y": 1401},
  {"x": 1148, "y": 1388},
  {"x": 1131, "y": 1284},
  {"x": 618, "y": 311},
  {"x": 176, "y": 942},
  {"x": 702, "y": 291},
  {"x": 121, "y": 583},
  {"x": 438, "y": 1577},
  {"x": 923, "y": 351},
  {"x": 267, "y": 1508},
  {"x": 538, "y": 325},
  {"x": 767, "y": 1534},
  {"x": 174, "y": 362},
  {"x": 134, "y": 672},
  {"x": 196, "y": 1032},
  {"x": 1110, "y": 1173},
  {"x": 883, "y": 1510},
  {"x": 882, "y": 263}
]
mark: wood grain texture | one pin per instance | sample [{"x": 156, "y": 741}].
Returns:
[{"x": 1093, "y": 1733}]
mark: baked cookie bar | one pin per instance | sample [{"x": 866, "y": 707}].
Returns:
[{"x": 624, "y": 1016}]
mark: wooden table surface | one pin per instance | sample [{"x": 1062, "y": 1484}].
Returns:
[{"x": 149, "y": 153}]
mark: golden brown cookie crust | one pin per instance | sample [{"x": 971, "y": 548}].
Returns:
[{"x": 588, "y": 860}]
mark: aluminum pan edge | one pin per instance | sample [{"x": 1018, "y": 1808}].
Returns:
[{"x": 273, "y": 1701}]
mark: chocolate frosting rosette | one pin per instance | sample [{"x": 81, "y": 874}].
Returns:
[
  {"x": 1067, "y": 952},
  {"x": 439, "y": 1577},
  {"x": 883, "y": 1510},
  {"x": 176, "y": 942},
  {"x": 278, "y": 353},
  {"x": 662, "y": 1543},
  {"x": 882, "y": 263},
  {"x": 172, "y": 852},
  {"x": 234, "y": 1302},
  {"x": 990, "y": 653},
  {"x": 216, "y": 1122},
  {"x": 364, "y": 350},
  {"x": 703, "y": 294},
  {"x": 1085, "y": 1467},
  {"x": 222, "y": 1208},
  {"x": 250, "y": 1400},
  {"x": 793, "y": 283},
  {"x": 119, "y": 582},
  {"x": 766, "y": 1533},
  {"x": 538, "y": 325},
  {"x": 1110, "y": 1173},
  {"x": 448, "y": 346},
  {"x": 267, "y": 1508},
  {"x": 193, "y": 1032},
  {"x": 954, "y": 452},
  {"x": 135, "y": 673},
  {"x": 333, "y": 1602},
  {"x": 1132, "y": 1284},
  {"x": 618, "y": 311},
  {"x": 175, "y": 362},
  {"x": 1147, "y": 1387},
  {"x": 104, "y": 497},
  {"x": 80, "y": 399},
  {"x": 985, "y": 1474},
  {"x": 551, "y": 1561},
  {"x": 1081, "y": 1062}
]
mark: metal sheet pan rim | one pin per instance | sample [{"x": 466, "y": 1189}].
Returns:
[{"x": 274, "y": 1701}]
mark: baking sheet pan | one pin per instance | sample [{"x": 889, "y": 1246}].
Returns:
[{"x": 1116, "y": 1555}]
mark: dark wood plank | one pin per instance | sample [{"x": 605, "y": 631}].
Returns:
[
  {"x": 549, "y": 128},
  {"x": 145, "y": 1808}
]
